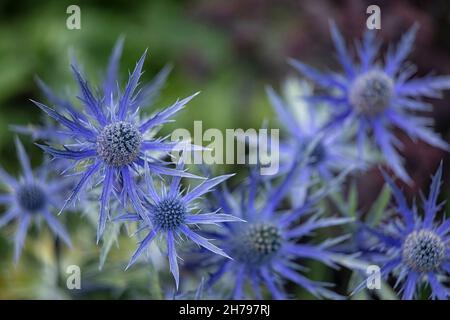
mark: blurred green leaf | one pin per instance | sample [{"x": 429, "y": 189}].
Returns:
[{"x": 379, "y": 207}]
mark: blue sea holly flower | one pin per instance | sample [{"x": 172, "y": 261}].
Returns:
[
  {"x": 415, "y": 248},
  {"x": 377, "y": 97},
  {"x": 31, "y": 197},
  {"x": 173, "y": 214},
  {"x": 268, "y": 248},
  {"x": 330, "y": 151},
  {"x": 110, "y": 142}
]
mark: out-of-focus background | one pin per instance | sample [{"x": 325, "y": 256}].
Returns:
[{"x": 229, "y": 50}]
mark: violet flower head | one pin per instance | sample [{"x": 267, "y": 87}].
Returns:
[
  {"x": 173, "y": 214},
  {"x": 415, "y": 248},
  {"x": 32, "y": 197},
  {"x": 266, "y": 250},
  {"x": 376, "y": 97},
  {"x": 109, "y": 141}
]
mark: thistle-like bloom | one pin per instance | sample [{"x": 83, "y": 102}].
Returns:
[
  {"x": 109, "y": 140},
  {"x": 31, "y": 197},
  {"x": 377, "y": 97},
  {"x": 267, "y": 249},
  {"x": 172, "y": 215},
  {"x": 416, "y": 249}
]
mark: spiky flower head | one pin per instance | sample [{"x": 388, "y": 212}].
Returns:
[
  {"x": 173, "y": 214},
  {"x": 31, "y": 197},
  {"x": 412, "y": 247},
  {"x": 266, "y": 250},
  {"x": 375, "y": 98},
  {"x": 109, "y": 141}
]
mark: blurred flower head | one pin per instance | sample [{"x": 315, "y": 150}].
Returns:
[
  {"x": 32, "y": 197},
  {"x": 325, "y": 152},
  {"x": 376, "y": 97}
]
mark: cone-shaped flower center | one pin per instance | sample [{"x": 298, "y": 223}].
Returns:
[
  {"x": 31, "y": 198},
  {"x": 423, "y": 251},
  {"x": 119, "y": 143},
  {"x": 257, "y": 243},
  {"x": 168, "y": 214},
  {"x": 371, "y": 93}
]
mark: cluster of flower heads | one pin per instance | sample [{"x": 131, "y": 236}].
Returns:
[
  {"x": 363, "y": 106},
  {"x": 110, "y": 139},
  {"x": 106, "y": 143},
  {"x": 259, "y": 237}
]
